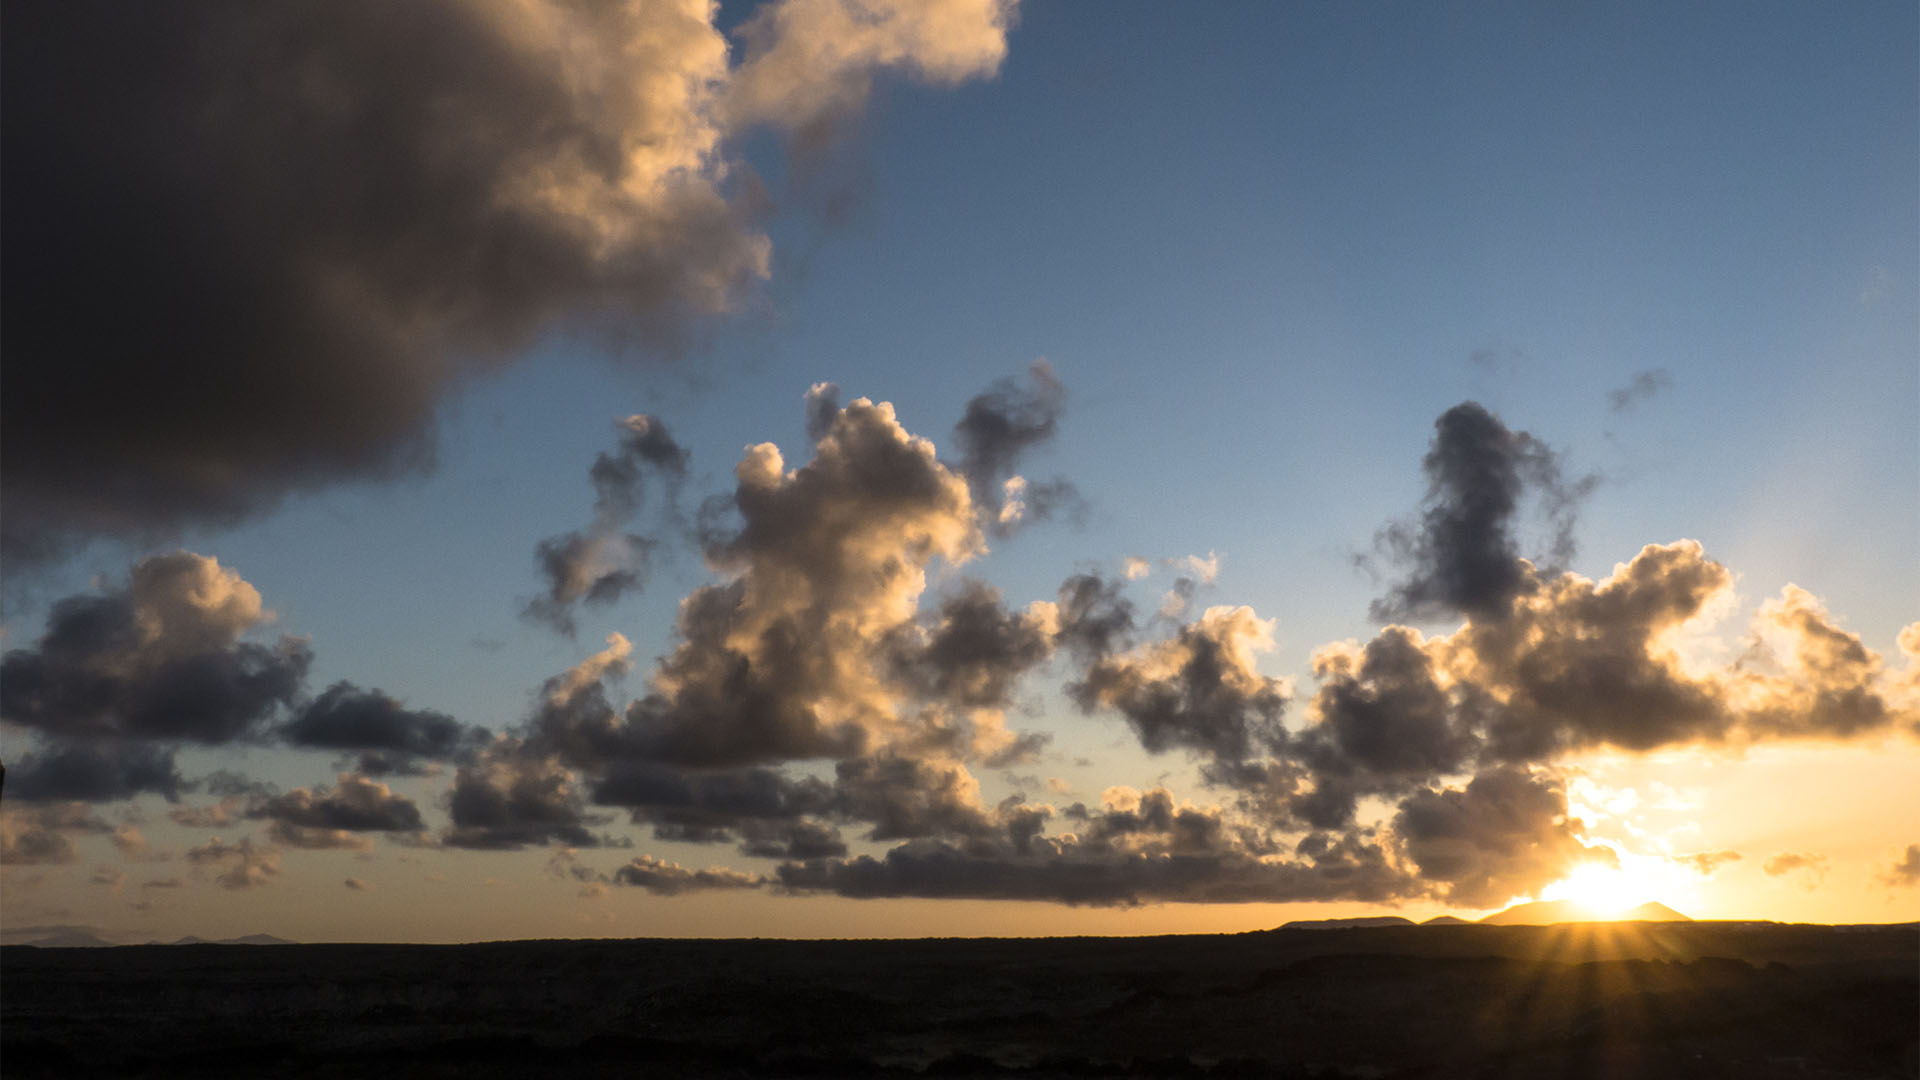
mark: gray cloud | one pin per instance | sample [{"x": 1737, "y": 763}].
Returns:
[
  {"x": 1000, "y": 424},
  {"x": 1906, "y": 872},
  {"x": 671, "y": 879},
  {"x": 509, "y": 800},
  {"x": 392, "y": 738},
  {"x": 278, "y": 237},
  {"x": 40, "y": 834},
  {"x": 160, "y": 659},
  {"x": 244, "y": 865},
  {"x": 1642, "y": 387},
  {"x": 95, "y": 772},
  {"x": 1504, "y": 835},
  {"x": 335, "y": 817},
  {"x": 973, "y": 651},
  {"x": 1198, "y": 691},
  {"x": 604, "y": 562},
  {"x": 1462, "y": 555}
]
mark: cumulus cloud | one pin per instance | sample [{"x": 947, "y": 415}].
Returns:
[
  {"x": 1706, "y": 862},
  {"x": 357, "y": 885},
  {"x": 508, "y": 800},
  {"x": 280, "y": 236},
  {"x": 336, "y": 817},
  {"x": 1642, "y": 387},
  {"x": 95, "y": 772},
  {"x": 389, "y": 738},
  {"x": 1198, "y": 691},
  {"x": 671, "y": 879},
  {"x": 161, "y": 658},
  {"x": 244, "y": 865},
  {"x": 604, "y": 562},
  {"x": 1503, "y": 835},
  {"x": 1000, "y": 424},
  {"x": 1810, "y": 868},
  {"x": 1905, "y": 873},
  {"x": 1462, "y": 554},
  {"x": 42, "y": 834}
]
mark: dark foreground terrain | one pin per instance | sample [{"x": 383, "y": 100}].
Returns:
[{"x": 1601, "y": 1000}]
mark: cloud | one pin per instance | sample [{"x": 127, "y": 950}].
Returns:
[
  {"x": 1000, "y": 424},
  {"x": 1706, "y": 862},
  {"x": 1462, "y": 555},
  {"x": 973, "y": 651},
  {"x": 391, "y": 738},
  {"x": 809, "y": 62},
  {"x": 334, "y": 817},
  {"x": 778, "y": 662},
  {"x": 508, "y": 800},
  {"x": 357, "y": 885},
  {"x": 1505, "y": 834},
  {"x": 161, "y": 658},
  {"x": 279, "y": 237},
  {"x": 95, "y": 772},
  {"x": 1905, "y": 873},
  {"x": 1198, "y": 691},
  {"x": 40, "y": 834},
  {"x": 603, "y": 563},
  {"x": 671, "y": 879},
  {"x": 244, "y": 865},
  {"x": 1642, "y": 387},
  {"x": 1809, "y": 867}
]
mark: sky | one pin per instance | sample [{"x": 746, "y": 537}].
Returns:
[{"x": 834, "y": 468}]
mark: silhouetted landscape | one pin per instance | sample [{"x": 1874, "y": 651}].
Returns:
[{"x": 1645, "y": 999}]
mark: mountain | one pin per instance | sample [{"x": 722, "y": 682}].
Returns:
[
  {"x": 70, "y": 939},
  {"x": 1548, "y": 912},
  {"x": 44, "y": 934},
  {"x": 250, "y": 939},
  {"x": 1654, "y": 911},
  {"x": 1447, "y": 920},
  {"x": 1344, "y": 924}
]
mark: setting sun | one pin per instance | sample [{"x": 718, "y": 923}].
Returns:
[{"x": 1603, "y": 891}]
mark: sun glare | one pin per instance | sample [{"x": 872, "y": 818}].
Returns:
[{"x": 1602, "y": 891}]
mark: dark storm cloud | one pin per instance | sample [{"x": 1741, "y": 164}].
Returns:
[
  {"x": 1462, "y": 555},
  {"x": 94, "y": 772},
  {"x": 1505, "y": 834},
  {"x": 1000, "y": 424},
  {"x": 250, "y": 246},
  {"x": 391, "y": 739},
  {"x": 604, "y": 562},
  {"x": 1642, "y": 387},
  {"x": 332, "y": 817},
  {"x": 160, "y": 659}
]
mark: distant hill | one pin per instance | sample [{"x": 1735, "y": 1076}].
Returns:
[
  {"x": 69, "y": 939},
  {"x": 1344, "y": 924},
  {"x": 250, "y": 939},
  {"x": 1548, "y": 912},
  {"x": 1447, "y": 920}
]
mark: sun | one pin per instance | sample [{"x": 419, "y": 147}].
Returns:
[{"x": 1603, "y": 891}]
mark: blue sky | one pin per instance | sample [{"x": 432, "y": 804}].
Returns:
[{"x": 1264, "y": 247}]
